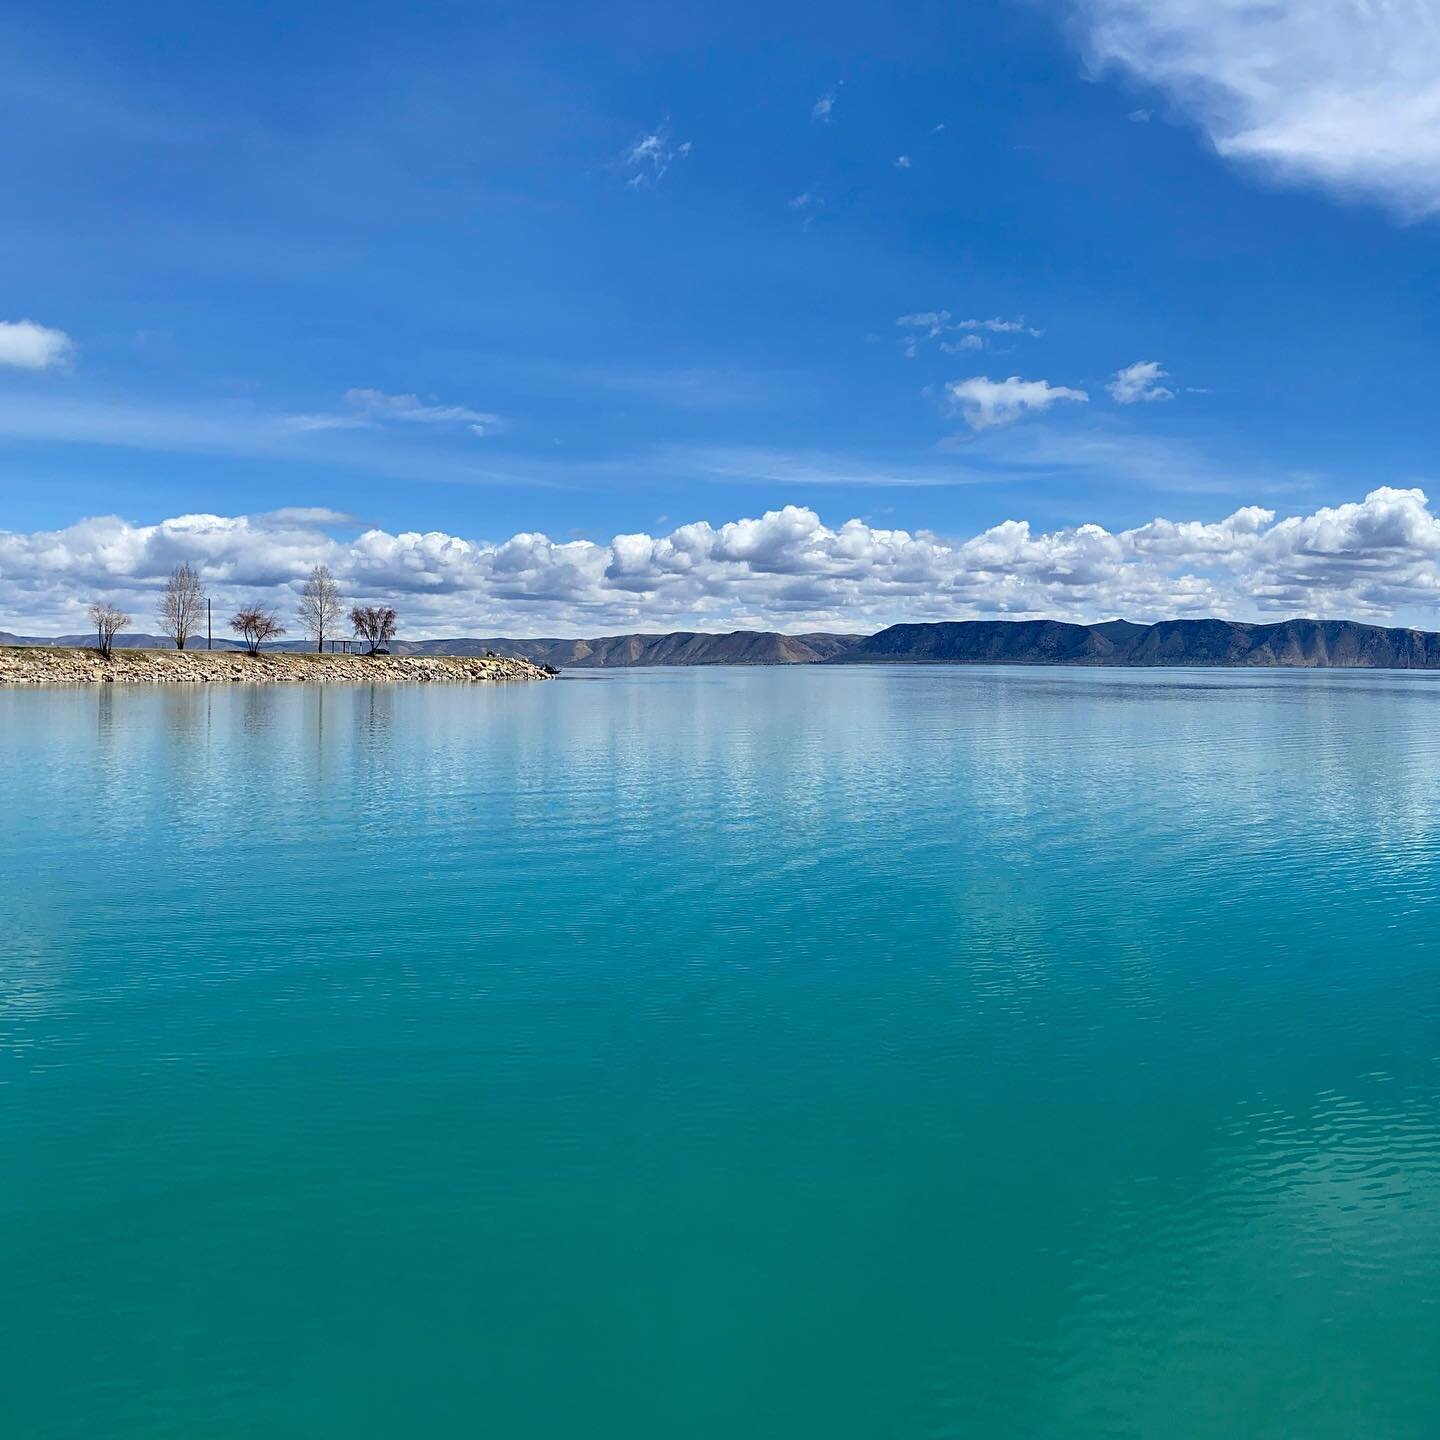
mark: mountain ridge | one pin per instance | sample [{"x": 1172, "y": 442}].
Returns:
[
  {"x": 1291, "y": 644},
  {"x": 1285, "y": 644}
]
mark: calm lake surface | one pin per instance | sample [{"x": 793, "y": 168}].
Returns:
[{"x": 822, "y": 1053}]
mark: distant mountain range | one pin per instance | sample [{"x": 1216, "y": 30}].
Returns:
[
  {"x": 683, "y": 647},
  {"x": 1301, "y": 644}
]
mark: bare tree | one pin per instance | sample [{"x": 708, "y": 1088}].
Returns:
[
  {"x": 320, "y": 608},
  {"x": 255, "y": 625},
  {"x": 109, "y": 620},
  {"x": 182, "y": 604},
  {"x": 375, "y": 625}
]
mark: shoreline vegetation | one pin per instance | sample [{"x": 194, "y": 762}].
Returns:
[
  {"x": 75, "y": 665},
  {"x": 183, "y": 605}
]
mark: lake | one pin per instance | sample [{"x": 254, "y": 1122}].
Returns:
[{"x": 838, "y": 1052}]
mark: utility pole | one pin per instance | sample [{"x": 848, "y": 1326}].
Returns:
[{"x": 209, "y": 633}]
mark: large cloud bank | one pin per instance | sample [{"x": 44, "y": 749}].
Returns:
[{"x": 1375, "y": 559}]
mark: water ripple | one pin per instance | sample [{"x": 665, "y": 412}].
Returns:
[{"x": 903, "y": 1052}]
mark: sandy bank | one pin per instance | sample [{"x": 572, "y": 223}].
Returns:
[{"x": 44, "y": 665}]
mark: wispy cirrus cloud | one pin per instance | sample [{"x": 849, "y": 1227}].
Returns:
[
  {"x": 1339, "y": 94},
  {"x": 1112, "y": 454},
  {"x": 807, "y": 205},
  {"x": 649, "y": 157},
  {"x": 242, "y": 428},
  {"x": 952, "y": 335},
  {"x": 411, "y": 410},
  {"x": 751, "y": 464},
  {"x": 1140, "y": 384},
  {"x": 370, "y": 408},
  {"x": 351, "y": 440},
  {"x": 24, "y": 345}
]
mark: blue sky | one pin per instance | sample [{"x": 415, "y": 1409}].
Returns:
[{"x": 588, "y": 271}]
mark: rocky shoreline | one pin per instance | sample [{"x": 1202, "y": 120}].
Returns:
[{"x": 47, "y": 665}]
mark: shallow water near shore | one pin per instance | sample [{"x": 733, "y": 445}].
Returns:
[{"x": 713, "y": 1053}]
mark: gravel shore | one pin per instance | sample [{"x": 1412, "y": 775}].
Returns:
[{"x": 55, "y": 665}]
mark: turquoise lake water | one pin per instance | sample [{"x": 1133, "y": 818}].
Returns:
[{"x": 723, "y": 1053}]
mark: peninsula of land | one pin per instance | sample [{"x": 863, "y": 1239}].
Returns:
[
  {"x": 70, "y": 665},
  {"x": 1286, "y": 644}
]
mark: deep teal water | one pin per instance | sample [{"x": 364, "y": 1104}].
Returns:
[{"x": 801, "y": 1053}]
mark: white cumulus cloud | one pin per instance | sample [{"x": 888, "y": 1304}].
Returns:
[
  {"x": 28, "y": 346},
  {"x": 986, "y": 404},
  {"x": 1343, "y": 94}
]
